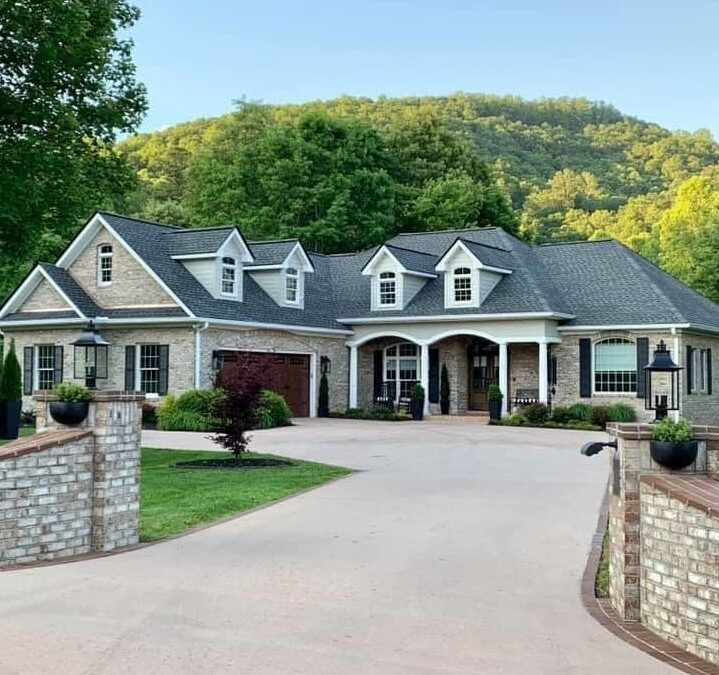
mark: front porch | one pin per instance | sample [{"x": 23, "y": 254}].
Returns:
[{"x": 386, "y": 367}]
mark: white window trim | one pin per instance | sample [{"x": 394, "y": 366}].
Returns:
[
  {"x": 418, "y": 357},
  {"x": 298, "y": 288},
  {"x": 470, "y": 276},
  {"x": 611, "y": 394},
  {"x": 36, "y": 364},
  {"x": 235, "y": 268},
  {"x": 700, "y": 371},
  {"x": 398, "y": 290},
  {"x": 138, "y": 373},
  {"x": 100, "y": 257},
  {"x": 449, "y": 299}
]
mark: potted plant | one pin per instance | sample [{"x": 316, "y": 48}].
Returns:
[
  {"x": 494, "y": 396},
  {"x": 416, "y": 402},
  {"x": 672, "y": 445},
  {"x": 444, "y": 391},
  {"x": 72, "y": 405},
  {"x": 11, "y": 394},
  {"x": 323, "y": 406}
]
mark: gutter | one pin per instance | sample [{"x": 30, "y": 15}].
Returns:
[
  {"x": 398, "y": 318},
  {"x": 199, "y": 330}
]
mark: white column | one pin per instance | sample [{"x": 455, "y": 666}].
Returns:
[
  {"x": 503, "y": 376},
  {"x": 353, "y": 376},
  {"x": 543, "y": 373},
  {"x": 424, "y": 374}
]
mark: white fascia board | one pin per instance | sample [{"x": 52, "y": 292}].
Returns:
[
  {"x": 194, "y": 256},
  {"x": 78, "y": 244},
  {"x": 383, "y": 250},
  {"x": 424, "y": 275},
  {"x": 247, "y": 256},
  {"x": 441, "y": 265},
  {"x": 42, "y": 323},
  {"x": 62, "y": 293},
  {"x": 252, "y": 325},
  {"x": 260, "y": 268},
  {"x": 29, "y": 285},
  {"x": 489, "y": 268},
  {"x": 307, "y": 265},
  {"x": 599, "y": 327},
  {"x": 510, "y": 316}
]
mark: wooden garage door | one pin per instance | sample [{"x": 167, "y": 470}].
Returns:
[{"x": 287, "y": 374}]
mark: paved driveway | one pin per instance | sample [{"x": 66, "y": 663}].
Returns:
[{"x": 458, "y": 550}]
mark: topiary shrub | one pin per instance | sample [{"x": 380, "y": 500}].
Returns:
[
  {"x": 536, "y": 413},
  {"x": 272, "y": 410},
  {"x": 598, "y": 415},
  {"x": 621, "y": 412},
  {"x": 323, "y": 404},
  {"x": 579, "y": 411},
  {"x": 11, "y": 380},
  {"x": 561, "y": 414}
]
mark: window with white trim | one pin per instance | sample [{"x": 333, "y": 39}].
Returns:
[
  {"x": 104, "y": 264},
  {"x": 387, "y": 289},
  {"x": 700, "y": 371},
  {"x": 462, "y": 284},
  {"x": 149, "y": 368},
  {"x": 401, "y": 369},
  {"x": 229, "y": 276},
  {"x": 292, "y": 283},
  {"x": 45, "y": 369},
  {"x": 615, "y": 366}
]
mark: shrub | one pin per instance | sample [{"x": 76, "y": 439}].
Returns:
[
  {"x": 599, "y": 415},
  {"x": 515, "y": 420},
  {"x": 669, "y": 430},
  {"x": 184, "y": 420},
  {"x": 149, "y": 415},
  {"x": 535, "y": 413},
  {"x": 579, "y": 411},
  {"x": 494, "y": 393},
  {"x": 621, "y": 412},
  {"x": 381, "y": 412},
  {"x": 354, "y": 413},
  {"x": 200, "y": 401},
  {"x": 561, "y": 415},
  {"x": 444, "y": 384},
  {"x": 11, "y": 380},
  {"x": 272, "y": 410},
  {"x": 71, "y": 392},
  {"x": 323, "y": 404},
  {"x": 417, "y": 394}
]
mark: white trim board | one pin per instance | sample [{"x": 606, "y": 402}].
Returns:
[{"x": 27, "y": 287}]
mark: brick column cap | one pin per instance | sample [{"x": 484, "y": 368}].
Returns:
[
  {"x": 643, "y": 431},
  {"x": 42, "y": 441},
  {"x": 109, "y": 395}
]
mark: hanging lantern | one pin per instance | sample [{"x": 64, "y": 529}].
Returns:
[
  {"x": 90, "y": 356},
  {"x": 661, "y": 383}
]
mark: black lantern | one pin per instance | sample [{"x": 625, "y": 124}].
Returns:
[
  {"x": 325, "y": 365},
  {"x": 90, "y": 356},
  {"x": 661, "y": 383}
]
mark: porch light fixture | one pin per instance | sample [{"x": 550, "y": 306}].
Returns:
[
  {"x": 325, "y": 365},
  {"x": 661, "y": 383},
  {"x": 91, "y": 356}
]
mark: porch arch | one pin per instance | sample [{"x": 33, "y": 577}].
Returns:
[
  {"x": 385, "y": 334},
  {"x": 472, "y": 332}
]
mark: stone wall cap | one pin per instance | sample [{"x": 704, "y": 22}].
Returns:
[
  {"x": 643, "y": 431},
  {"x": 42, "y": 441},
  {"x": 699, "y": 492},
  {"x": 109, "y": 395}
]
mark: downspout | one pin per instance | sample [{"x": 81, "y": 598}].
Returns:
[
  {"x": 677, "y": 413},
  {"x": 198, "y": 353}
]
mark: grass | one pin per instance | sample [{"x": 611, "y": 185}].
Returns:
[
  {"x": 173, "y": 500},
  {"x": 24, "y": 431},
  {"x": 601, "y": 583}
]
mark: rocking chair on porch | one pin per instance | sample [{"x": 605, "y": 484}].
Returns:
[{"x": 386, "y": 396}]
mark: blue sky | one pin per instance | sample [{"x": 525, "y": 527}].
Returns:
[{"x": 655, "y": 59}]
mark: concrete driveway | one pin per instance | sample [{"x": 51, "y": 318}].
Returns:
[{"x": 457, "y": 550}]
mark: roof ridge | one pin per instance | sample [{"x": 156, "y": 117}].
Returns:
[
  {"x": 452, "y": 229},
  {"x": 604, "y": 240},
  {"x": 271, "y": 241},
  {"x": 141, "y": 220},
  {"x": 182, "y": 230},
  {"x": 409, "y": 250},
  {"x": 479, "y": 243}
]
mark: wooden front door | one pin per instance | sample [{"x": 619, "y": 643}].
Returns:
[
  {"x": 483, "y": 372},
  {"x": 287, "y": 374}
]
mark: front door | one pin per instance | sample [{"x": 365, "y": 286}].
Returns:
[{"x": 483, "y": 372}]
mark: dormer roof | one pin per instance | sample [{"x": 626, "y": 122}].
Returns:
[
  {"x": 410, "y": 262},
  {"x": 487, "y": 257},
  {"x": 205, "y": 242},
  {"x": 276, "y": 254}
]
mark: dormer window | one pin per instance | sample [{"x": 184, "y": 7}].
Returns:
[
  {"x": 292, "y": 278},
  {"x": 104, "y": 264},
  {"x": 387, "y": 289},
  {"x": 462, "y": 285},
  {"x": 229, "y": 276}
]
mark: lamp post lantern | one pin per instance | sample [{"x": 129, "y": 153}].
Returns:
[
  {"x": 661, "y": 383},
  {"x": 90, "y": 356},
  {"x": 325, "y": 365}
]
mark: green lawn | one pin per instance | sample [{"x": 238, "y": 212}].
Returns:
[
  {"x": 173, "y": 500},
  {"x": 24, "y": 431},
  {"x": 601, "y": 584}
]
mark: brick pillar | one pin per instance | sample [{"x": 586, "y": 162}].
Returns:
[
  {"x": 632, "y": 459},
  {"x": 115, "y": 418}
]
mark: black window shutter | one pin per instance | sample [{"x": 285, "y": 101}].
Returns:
[
  {"x": 642, "y": 360},
  {"x": 378, "y": 373},
  {"x": 553, "y": 371},
  {"x": 433, "y": 393},
  {"x": 58, "y": 364},
  {"x": 709, "y": 371},
  {"x": 27, "y": 370},
  {"x": 164, "y": 353},
  {"x": 130, "y": 368},
  {"x": 690, "y": 368},
  {"x": 585, "y": 367}
]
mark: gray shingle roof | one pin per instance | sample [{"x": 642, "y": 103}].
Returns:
[
  {"x": 271, "y": 252},
  {"x": 196, "y": 240},
  {"x": 71, "y": 289},
  {"x": 490, "y": 255},
  {"x": 414, "y": 261}
]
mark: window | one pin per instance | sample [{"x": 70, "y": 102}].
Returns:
[
  {"x": 292, "y": 279},
  {"x": 700, "y": 371},
  {"x": 104, "y": 264},
  {"x": 150, "y": 369},
  {"x": 615, "y": 366},
  {"x": 401, "y": 369},
  {"x": 387, "y": 289},
  {"x": 229, "y": 270},
  {"x": 45, "y": 366},
  {"x": 462, "y": 284}
]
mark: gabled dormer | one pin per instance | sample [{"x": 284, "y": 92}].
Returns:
[
  {"x": 396, "y": 276},
  {"x": 280, "y": 268},
  {"x": 215, "y": 256},
  {"x": 471, "y": 271}
]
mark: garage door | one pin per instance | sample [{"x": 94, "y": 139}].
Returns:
[{"x": 287, "y": 374}]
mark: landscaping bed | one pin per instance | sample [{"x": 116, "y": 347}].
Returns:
[
  {"x": 580, "y": 416},
  {"x": 379, "y": 413},
  {"x": 174, "y": 499}
]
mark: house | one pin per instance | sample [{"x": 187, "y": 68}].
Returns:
[{"x": 558, "y": 323}]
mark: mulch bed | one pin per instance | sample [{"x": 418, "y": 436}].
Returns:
[{"x": 232, "y": 463}]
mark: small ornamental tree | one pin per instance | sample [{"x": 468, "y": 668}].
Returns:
[
  {"x": 11, "y": 381},
  {"x": 323, "y": 406}
]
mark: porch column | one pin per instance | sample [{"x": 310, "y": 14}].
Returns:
[
  {"x": 503, "y": 376},
  {"x": 353, "y": 376},
  {"x": 543, "y": 373},
  {"x": 424, "y": 374}
]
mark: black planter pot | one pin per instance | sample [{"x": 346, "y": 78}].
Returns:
[
  {"x": 69, "y": 412},
  {"x": 444, "y": 406},
  {"x": 674, "y": 455},
  {"x": 416, "y": 409},
  {"x": 495, "y": 409},
  {"x": 11, "y": 419},
  {"x": 323, "y": 412}
]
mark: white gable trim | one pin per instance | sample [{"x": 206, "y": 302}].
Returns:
[
  {"x": 29, "y": 285},
  {"x": 83, "y": 238},
  {"x": 443, "y": 263},
  {"x": 307, "y": 265},
  {"x": 246, "y": 256},
  {"x": 368, "y": 269}
]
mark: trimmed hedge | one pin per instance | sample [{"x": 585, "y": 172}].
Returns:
[
  {"x": 576, "y": 416},
  {"x": 272, "y": 410},
  {"x": 380, "y": 412}
]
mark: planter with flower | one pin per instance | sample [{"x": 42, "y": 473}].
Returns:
[
  {"x": 72, "y": 404},
  {"x": 672, "y": 445}
]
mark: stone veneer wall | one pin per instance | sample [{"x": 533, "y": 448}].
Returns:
[
  {"x": 700, "y": 407},
  {"x": 68, "y": 491}
]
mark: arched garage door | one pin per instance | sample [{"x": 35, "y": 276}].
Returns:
[{"x": 287, "y": 374}]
